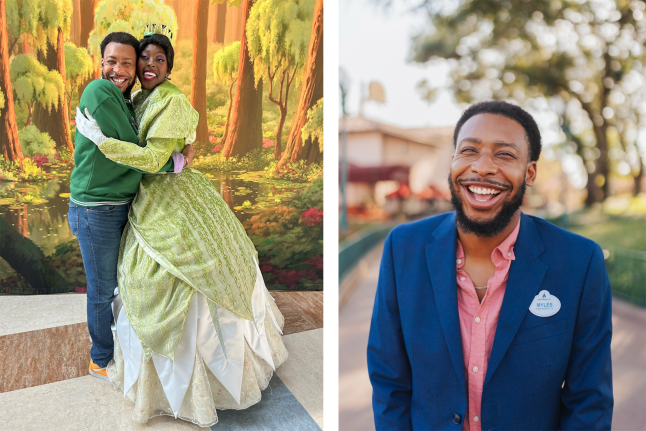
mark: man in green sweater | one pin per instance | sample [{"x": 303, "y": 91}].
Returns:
[{"x": 101, "y": 190}]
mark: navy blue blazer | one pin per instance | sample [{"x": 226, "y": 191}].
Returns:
[{"x": 544, "y": 373}]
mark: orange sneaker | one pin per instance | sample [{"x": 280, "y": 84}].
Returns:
[{"x": 95, "y": 371}]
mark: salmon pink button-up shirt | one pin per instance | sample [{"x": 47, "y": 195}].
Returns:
[{"x": 478, "y": 322}]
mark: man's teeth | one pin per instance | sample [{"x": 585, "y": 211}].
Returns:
[
  {"x": 118, "y": 81},
  {"x": 483, "y": 191}
]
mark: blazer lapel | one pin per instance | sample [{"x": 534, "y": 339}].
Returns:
[
  {"x": 525, "y": 277},
  {"x": 440, "y": 259}
]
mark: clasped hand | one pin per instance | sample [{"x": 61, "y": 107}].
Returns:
[{"x": 88, "y": 127}]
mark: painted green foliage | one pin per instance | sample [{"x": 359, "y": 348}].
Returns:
[
  {"x": 130, "y": 16},
  {"x": 282, "y": 213},
  {"x": 39, "y": 19},
  {"x": 78, "y": 68},
  {"x": 278, "y": 33},
  {"x": 225, "y": 70},
  {"x": 314, "y": 127},
  {"x": 33, "y": 142},
  {"x": 33, "y": 83},
  {"x": 225, "y": 63}
]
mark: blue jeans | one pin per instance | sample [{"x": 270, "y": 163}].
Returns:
[{"x": 98, "y": 230}]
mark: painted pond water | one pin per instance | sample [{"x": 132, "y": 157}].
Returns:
[{"x": 38, "y": 210}]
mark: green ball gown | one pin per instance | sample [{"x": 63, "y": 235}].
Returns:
[{"x": 195, "y": 328}]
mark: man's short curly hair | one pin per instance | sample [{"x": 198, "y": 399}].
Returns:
[
  {"x": 513, "y": 112},
  {"x": 120, "y": 37}
]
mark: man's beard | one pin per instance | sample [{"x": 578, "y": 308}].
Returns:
[
  {"x": 493, "y": 226},
  {"x": 126, "y": 94}
]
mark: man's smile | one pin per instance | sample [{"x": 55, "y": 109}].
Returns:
[
  {"x": 119, "y": 81},
  {"x": 482, "y": 196}
]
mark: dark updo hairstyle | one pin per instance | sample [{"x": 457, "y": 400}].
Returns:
[
  {"x": 513, "y": 112},
  {"x": 164, "y": 42}
]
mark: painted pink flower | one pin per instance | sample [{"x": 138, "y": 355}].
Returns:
[
  {"x": 312, "y": 216},
  {"x": 266, "y": 143},
  {"x": 316, "y": 262}
]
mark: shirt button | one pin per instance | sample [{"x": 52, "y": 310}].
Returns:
[
  {"x": 477, "y": 319},
  {"x": 476, "y": 418},
  {"x": 462, "y": 278},
  {"x": 508, "y": 254},
  {"x": 459, "y": 261},
  {"x": 475, "y": 370}
]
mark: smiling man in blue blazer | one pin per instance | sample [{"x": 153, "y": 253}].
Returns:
[{"x": 486, "y": 318}]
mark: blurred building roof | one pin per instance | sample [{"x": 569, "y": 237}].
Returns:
[{"x": 432, "y": 136}]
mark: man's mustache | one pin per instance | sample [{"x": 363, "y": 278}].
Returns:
[{"x": 483, "y": 180}]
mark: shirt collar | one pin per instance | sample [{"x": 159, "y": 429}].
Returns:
[{"x": 505, "y": 250}]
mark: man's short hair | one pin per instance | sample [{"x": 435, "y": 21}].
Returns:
[
  {"x": 120, "y": 37},
  {"x": 513, "y": 112},
  {"x": 164, "y": 42}
]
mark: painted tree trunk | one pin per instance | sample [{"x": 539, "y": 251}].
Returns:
[
  {"x": 235, "y": 23},
  {"x": 283, "y": 99},
  {"x": 87, "y": 25},
  {"x": 185, "y": 11},
  {"x": 87, "y": 20},
  {"x": 245, "y": 131},
  {"x": 27, "y": 259},
  {"x": 279, "y": 132},
  {"x": 56, "y": 121},
  {"x": 75, "y": 28},
  {"x": 198, "y": 81},
  {"x": 9, "y": 142},
  {"x": 30, "y": 111},
  {"x": 226, "y": 126},
  {"x": 311, "y": 92},
  {"x": 220, "y": 22}
]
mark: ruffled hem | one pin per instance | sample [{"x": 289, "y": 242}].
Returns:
[{"x": 205, "y": 392}]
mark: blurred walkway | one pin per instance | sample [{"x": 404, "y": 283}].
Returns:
[{"x": 355, "y": 392}]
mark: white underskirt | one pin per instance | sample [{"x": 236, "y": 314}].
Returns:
[{"x": 227, "y": 356}]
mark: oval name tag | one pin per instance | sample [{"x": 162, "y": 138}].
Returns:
[{"x": 545, "y": 305}]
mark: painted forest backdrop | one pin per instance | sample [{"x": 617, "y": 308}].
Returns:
[{"x": 253, "y": 69}]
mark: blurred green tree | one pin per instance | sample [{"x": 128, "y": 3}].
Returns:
[
  {"x": 79, "y": 67},
  {"x": 225, "y": 70},
  {"x": 579, "y": 52},
  {"x": 34, "y": 84},
  {"x": 278, "y": 33}
]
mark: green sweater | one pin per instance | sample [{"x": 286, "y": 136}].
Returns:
[{"x": 97, "y": 180}]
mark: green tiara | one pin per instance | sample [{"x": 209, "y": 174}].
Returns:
[{"x": 158, "y": 29}]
